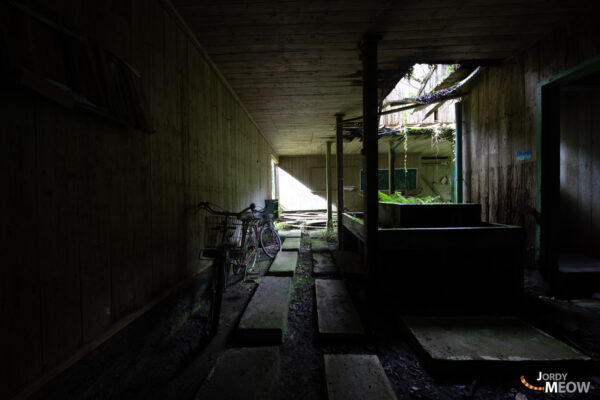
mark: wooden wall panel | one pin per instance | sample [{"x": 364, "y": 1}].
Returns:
[
  {"x": 100, "y": 220},
  {"x": 500, "y": 120},
  {"x": 58, "y": 138},
  {"x": 20, "y": 274},
  {"x": 595, "y": 184},
  {"x": 95, "y": 240}
]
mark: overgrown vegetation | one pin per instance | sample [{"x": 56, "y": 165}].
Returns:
[
  {"x": 282, "y": 225},
  {"x": 329, "y": 235},
  {"x": 398, "y": 198}
]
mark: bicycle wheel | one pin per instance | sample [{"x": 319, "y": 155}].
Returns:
[
  {"x": 215, "y": 295},
  {"x": 270, "y": 241},
  {"x": 250, "y": 248}
]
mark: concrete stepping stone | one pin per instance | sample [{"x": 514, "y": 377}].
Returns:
[
  {"x": 319, "y": 245},
  {"x": 316, "y": 233},
  {"x": 265, "y": 318},
  {"x": 471, "y": 343},
  {"x": 295, "y": 233},
  {"x": 284, "y": 264},
  {"x": 336, "y": 314},
  {"x": 323, "y": 264},
  {"x": 243, "y": 373},
  {"x": 356, "y": 377},
  {"x": 291, "y": 244},
  {"x": 349, "y": 262}
]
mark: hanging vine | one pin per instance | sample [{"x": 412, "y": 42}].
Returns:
[{"x": 405, "y": 152}]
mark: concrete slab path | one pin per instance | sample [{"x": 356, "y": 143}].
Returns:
[
  {"x": 474, "y": 342},
  {"x": 356, "y": 377},
  {"x": 336, "y": 314},
  {"x": 295, "y": 233},
  {"x": 243, "y": 373},
  {"x": 349, "y": 262},
  {"x": 319, "y": 245},
  {"x": 284, "y": 264},
  {"x": 323, "y": 264},
  {"x": 265, "y": 319},
  {"x": 291, "y": 244}
]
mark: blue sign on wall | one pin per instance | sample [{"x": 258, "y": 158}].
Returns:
[{"x": 524, "y": 155}]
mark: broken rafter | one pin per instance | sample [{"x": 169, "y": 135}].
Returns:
[
  {"x": 426, "y": 79},
  {"x": 433, "y": 109},
  {"x": 442, "y": 91},
  {"x": 453, "y": 92}
]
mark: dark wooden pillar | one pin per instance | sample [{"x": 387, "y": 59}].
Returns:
[
  {"x": 370, "y": 153},
  {"x": 391, "y": 167},
  {"x": 339, "y": 156},
  {"x": 458, "y": 182},
  {"x": 328, "y": 184},
  {"x": 549, "y": 179}
]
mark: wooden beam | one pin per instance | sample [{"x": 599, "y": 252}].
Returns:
[
  {"x": 328, "y": 183},
  {"x": 458, "y": 184},
  {"x": 339, "y": 154},
  {"x": 370, "y": 153},
  {"x": 549, "y": 195}
]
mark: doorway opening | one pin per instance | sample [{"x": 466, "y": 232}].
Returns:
[{"x": 569, "y": 180}]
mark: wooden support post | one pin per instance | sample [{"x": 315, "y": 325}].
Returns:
[
  {"x": 339, "y": 155},
  {"x": 370, "y": 153},
  {"x": 328, "y": 183},
  {"x": 391, "y": 167},
  {"x": 549, "y": 181},
  {"x": 458, "y": 182}
]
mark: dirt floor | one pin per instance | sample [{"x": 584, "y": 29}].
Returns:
[{"x": 166, "y": 355}]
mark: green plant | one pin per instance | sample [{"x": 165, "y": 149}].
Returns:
[
  {"x": 329, "y": 235},
  {"x": 282, "y": 225},
  {"x": 398, "y": 198}
]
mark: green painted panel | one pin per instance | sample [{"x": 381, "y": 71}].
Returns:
[{"x": 403, "y": 179}]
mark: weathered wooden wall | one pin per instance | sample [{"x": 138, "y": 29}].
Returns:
[
  {"x": 98, "y": 221},
  {"x": 580, "y": 170},
  {"x": 310, "y": 171},
  {"x": 500, "y": 120}
]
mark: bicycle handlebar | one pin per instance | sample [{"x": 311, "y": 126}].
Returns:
[{"x": 206, "y": 206}]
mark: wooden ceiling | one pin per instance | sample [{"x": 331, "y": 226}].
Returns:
[{"x": 295, "y": 63}]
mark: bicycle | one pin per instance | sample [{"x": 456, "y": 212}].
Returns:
[
  {"x": 232, "y": 239},
  {"x": 270, "y": 240}
]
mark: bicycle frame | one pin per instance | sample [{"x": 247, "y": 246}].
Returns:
[{"x": 229, "y": 234}]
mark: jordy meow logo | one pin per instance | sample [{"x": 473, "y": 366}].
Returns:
[{"x": 550, "y": 382}]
